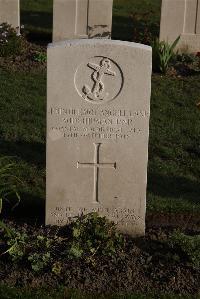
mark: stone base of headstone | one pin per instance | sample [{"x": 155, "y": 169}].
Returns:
[{"x": 189, "y": 43}]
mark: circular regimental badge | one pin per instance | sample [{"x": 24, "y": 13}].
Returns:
[{"x": 98, "y": 80}]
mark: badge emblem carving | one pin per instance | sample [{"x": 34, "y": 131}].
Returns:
[{"x": 104, "y": 80}]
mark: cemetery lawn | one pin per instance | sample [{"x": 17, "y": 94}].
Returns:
[{"x": 174, "y": 148}]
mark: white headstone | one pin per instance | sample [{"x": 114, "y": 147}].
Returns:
[
  {"x": 82, "y": 19},
  {"x": 181, "y": 17},
  {"x": 97, "y": 131},
  {"x": 10, "y": 12}
]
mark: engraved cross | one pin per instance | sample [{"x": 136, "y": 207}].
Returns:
[{"x": 96, "y": 166}]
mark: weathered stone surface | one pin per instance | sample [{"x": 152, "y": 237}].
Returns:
[
  {"x": 97, "y": 131},
  {"x": 82, "y": 19},
  {"x": 181, "y": 17},
  {"x": 10, "y": 12}
]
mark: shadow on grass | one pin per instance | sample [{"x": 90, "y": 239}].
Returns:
[
  {"x": 31, "y": 152},
  {"x": 31, "y": 209},
  {"x": 39, "y": 38},
  {"x": 38, "y": 26},
  {"x": 122, "y": 28},
  {"x": 175, "y": 187},
  {"x": 129, "y": 28}
]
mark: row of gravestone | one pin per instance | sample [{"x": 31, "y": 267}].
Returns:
[
  {"x": 93, "y": 19},
  {"x": 71, "y": 18}
]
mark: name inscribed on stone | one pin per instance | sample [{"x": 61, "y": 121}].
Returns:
[{"x": 96, "y": 123}]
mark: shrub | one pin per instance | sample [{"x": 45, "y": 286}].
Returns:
[
  {"x": 189, "y": 246},
  {"x": 40, "y": 57},
  {"x": 91, "y": 235},
  {"x": 40, "y": 255},
  {"x": 162, "y": 54},
  {"x": 11, "y": 43},
  {"x": 39, "y": 261}
]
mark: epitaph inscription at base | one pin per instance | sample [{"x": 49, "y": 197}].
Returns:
[{"x": 97, "y": 131}]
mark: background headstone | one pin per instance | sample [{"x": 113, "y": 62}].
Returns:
[
  {"x": 97, "y": 131},
  {"x": 75, "y": 19},
  {"x": 181, "y": 17},
  {"x": 10, "y": 12}
]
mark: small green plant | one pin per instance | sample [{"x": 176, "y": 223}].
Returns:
[
  {"x": 11, "y": 43},
  {"x": 56, "y": 268},
  {"x": 39, "y": 261},
  {"x": 189, "y": 246},
  {"x": 91, "y": 235},
  {"x": 20, "y": 246},
  {"x": 16, "y": 242},
  {"x": 162, "y": 54},
  {"x": 43, "y": 242},
  {"x": 40, "y": 57},
  {"x": 41, "y": 255}
]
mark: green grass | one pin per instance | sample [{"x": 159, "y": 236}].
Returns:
[
  {"x": 14, "y": 293},
  {"x": 22, "y": 131},
  {"x": 124, "y": 24},
  {"x": 174, "y": 149}
]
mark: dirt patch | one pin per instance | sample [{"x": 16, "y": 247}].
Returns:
[{"x": 146, "y": 264}]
